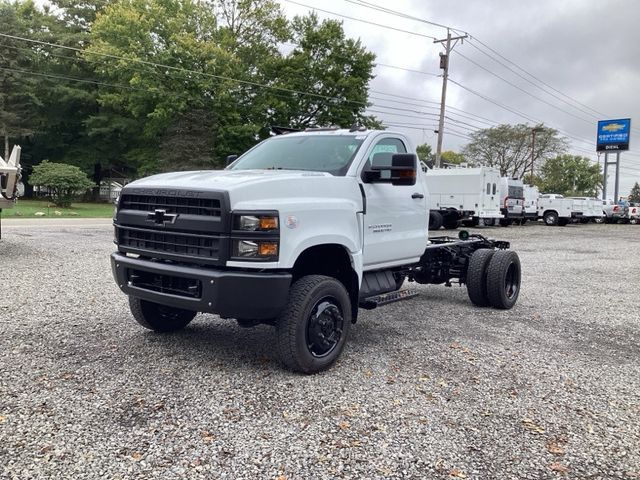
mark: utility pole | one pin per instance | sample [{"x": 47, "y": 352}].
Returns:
[
  {"x": 533, "y": 147},
  {"x": 444, "y": 65}
]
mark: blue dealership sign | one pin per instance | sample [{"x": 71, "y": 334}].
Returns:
[{"x": 613, "y": 135}]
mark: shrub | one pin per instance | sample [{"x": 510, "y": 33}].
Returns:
[{"x": 63, "y": 182}]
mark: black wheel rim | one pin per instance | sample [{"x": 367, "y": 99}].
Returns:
[
  {"x": 512, "y": 281},
  {"x": 324, "y": 327}
]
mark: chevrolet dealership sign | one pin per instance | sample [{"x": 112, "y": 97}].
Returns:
[{"x": 613, "y": 135}]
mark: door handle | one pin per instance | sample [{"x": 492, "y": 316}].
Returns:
[{"x": 417, "y": 195}]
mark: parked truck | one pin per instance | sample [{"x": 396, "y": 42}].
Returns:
[
  {"x": 554, "y": 209},
  {"x": 511, "y": 201},
  {"x": 614, "y": 212},
  {"x": 299, "y": 232},
  {"x": 531, "y": 194},
  {"x": 467, "y": 195},
  {"x": 9, "y": 181},
  {"x": 587, "y": 209}
]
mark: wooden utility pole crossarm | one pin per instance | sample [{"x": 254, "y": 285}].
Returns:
[{"x": 444, "y": 65}]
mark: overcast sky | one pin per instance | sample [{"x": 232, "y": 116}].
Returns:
[{"x": 588, "y": 50}]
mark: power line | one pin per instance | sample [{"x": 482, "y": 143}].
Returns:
[
  {"x": 590, "y": 122},
  {"x": 373, "y": 6},
  {"x": 528, "y": 80},
  {"x": 361, "y": 20}
]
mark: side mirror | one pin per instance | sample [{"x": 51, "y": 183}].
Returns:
[
  {"x": 231, "y": 159},
  {"x": 403, "y": 170}
]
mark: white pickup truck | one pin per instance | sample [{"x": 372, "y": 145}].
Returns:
[
  {"x": 9, "y": 180},
  {"x": 512, "y": 201},
  {"x": 468, "y": 195},
  {"x": 298, "y": 232}
]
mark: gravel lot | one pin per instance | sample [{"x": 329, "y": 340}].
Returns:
[{"x": 427, "y": 388}]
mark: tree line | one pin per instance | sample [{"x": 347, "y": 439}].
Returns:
[
  {"x": 128, "y": 88},
  {"x": 133, "y": 87}
]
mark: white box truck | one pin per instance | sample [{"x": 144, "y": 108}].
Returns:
[
  {"x": 511, "y": 201},
  {"x": 468, "y": 195},
  {"x": 531, "y": 194}
]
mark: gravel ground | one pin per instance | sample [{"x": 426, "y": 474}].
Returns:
[{"x": 427, "y": 388}]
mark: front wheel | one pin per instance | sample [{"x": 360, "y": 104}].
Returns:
[
  {"x": 312, "y": 329},
  {"x": 159, "y": 318}
]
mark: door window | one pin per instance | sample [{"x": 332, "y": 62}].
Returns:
[{"x": 382, "y": 152}]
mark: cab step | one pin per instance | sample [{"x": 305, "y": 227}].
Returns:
[{"x": 378, "y": 300}]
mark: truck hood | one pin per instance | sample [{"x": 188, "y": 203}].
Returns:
[{"x": 228, "y": 180}]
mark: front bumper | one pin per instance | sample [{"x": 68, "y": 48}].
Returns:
[{"x": 233, "y": 294}]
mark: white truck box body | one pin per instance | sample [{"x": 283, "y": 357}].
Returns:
[
  {"x": 531, "y": 194},
  {"x": 512, "y": 197},
  {"x": 551, "y": 201},
  {"x": 473, "y": 190}
]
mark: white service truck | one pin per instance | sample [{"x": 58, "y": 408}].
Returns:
[
  {"x": 587, "y": 209},
  {"x": 511, "y": 200},
  {"x": 468, "y": 195},
  {"x": 9, "y": 181},
  {"x": 531, "y": 194},
  {"x": 554, "y": 209},
  {"x": 299, "y": 232}
]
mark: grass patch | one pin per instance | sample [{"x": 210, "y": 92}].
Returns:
[{"x": 28, "y": 209}]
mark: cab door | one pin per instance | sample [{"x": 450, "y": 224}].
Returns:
[{"x": 396, "y": 218}]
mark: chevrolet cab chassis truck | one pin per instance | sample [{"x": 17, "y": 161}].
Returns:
[
  {"x": 299, "y": 232},
  {"x": 9, "y": 181}
]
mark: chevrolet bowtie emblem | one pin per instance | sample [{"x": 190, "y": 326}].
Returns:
[{"x": 161, "y": 217}]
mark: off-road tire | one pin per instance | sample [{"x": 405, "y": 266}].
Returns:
[
  {"x": 550, "y": 219},
  {"x": 292, "y": 326},
  {"x": 503, "y": 279},
  {"x": 477, "y": 276},
  {"x": 450, "y": 222},
  {"x": 435, "y": 221},
  {"x": 159, "y": 318}
]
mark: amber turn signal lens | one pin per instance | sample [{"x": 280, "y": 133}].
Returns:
[
  {"x": 268, "y": 223},
  {"x": 268, "y": 249}
]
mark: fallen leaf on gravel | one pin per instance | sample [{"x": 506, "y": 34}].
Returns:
[
  {"x": 368, "y": 373},
  {"x": 137, "y": 456},
  {"x": 344, "y": 425},
  {"x": 46, "y": 448},
  {"x": 207, "y": 436},
  {"x": 442, "y": 383},
  {"x": 531, "y": 426},
  {"x": 2, "y": 418},
  {"x": 556, "y": 446},
  {"x": 281, "y": 477},
  {"x": 558, "y": 467},
  {"x": 455, "y": 346},
  {"x": 391, "y": 380},
  {"x": 456, "y": 472}
]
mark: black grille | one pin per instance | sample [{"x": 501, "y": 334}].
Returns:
[
  {"x": 208, "y": 207},
  {"x": 174, "y": 244},
  {"x": 184, "y": 287}
]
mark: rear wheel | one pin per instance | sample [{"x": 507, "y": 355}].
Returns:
[
  {"x": 159, "y": 318},
  {"x": 313, "y": 327},
  {"x": 488, "y": 222},
  {"x": 450, "y": 222},
  {"x": 477, "y": 276},
  {"x": 503, "y": 279},
  {"x": 550, "y": 219},
  {"x": 435, "y": 220}
]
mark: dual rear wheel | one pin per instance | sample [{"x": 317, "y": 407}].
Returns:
[{"x": 493, "y": 278}]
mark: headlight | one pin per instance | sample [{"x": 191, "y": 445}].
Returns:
[
  {"x": 255, "y": 249},
  {"x": 256, "y": 223}
]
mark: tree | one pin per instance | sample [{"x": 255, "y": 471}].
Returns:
[
  {"x": 452, "y": 157},
  {"x": 571, "y": 175},
  {"x": 425, "y": 152},
  {"x": 508, "y": 147},
  {"x": 63, "y": 182},
  {"x": 634, "y": 195}
]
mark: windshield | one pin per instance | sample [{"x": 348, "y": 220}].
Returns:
[{"x": 319, "y": 153}]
